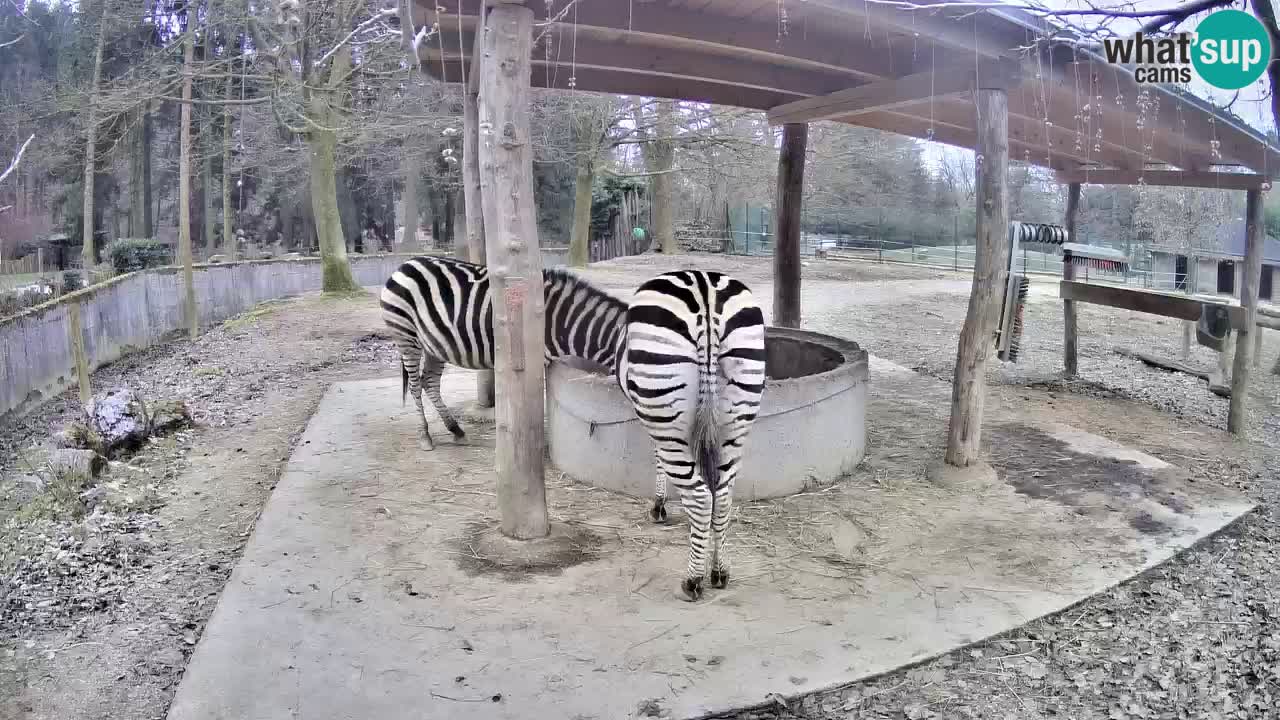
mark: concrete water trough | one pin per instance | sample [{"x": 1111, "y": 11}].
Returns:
[{"x": 811, "y": 428}]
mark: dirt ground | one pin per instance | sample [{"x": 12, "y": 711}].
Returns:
[{"x": 98, "y": 615}]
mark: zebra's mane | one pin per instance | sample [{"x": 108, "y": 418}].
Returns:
[{"x": 574, "y": 284}]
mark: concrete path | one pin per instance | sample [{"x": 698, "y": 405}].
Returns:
[{"x": 367, "y": 589}]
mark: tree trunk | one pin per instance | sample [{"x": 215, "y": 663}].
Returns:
[
  {"x": 786, "y": 250},
  {"x": 228, "y": 218},
  {"x": 184, "y": 178},
  {"x": 1256, "y": 232},
  {"x": 471, "y": 195},
  {"x": 410, "y": 203},
  {"x": 964, "y": 433},
  {"x": 448, "y": 218},
  {"x": 580, "y": 235},
  {"x": 433, "y": 199},
  {"x": 516, "y": 283},
  {"x": 207, "y": 191},
  {"x": 328, "y": 221},
  {"x": 664, "y": 162},
  {"x": 87, "y": 254},
  {"x": 1070, "y": 358},
  {"x": 138, "y": 211}
]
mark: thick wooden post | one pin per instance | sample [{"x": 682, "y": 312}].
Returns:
[
  {"x": 964, "y": 434},
  {"x": 1255, "y": 232},
  {"x": 471, "y": 200},
  {"x": 75, "y": 335},
  {"x": 786, "y": 248},
  {"x": 515, "y": 267},
  {"x": 1070, "y": 359}
]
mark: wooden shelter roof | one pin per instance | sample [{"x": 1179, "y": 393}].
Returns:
[{"x": 875, "y": 65}]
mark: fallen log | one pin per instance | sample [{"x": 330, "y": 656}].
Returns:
[
  {"x": 1163, "y": 364},
  {"x": 1217, "y": 385}
]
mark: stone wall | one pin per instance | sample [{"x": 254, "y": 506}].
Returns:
[{"x": 134, "y": 311}]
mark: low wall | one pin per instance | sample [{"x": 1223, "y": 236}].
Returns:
[{"x": 139, "y": 309}]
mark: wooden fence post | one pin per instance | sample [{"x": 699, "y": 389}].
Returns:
[
  {"x": 1070, "y": 359},
  {"x": 786, "y": 248},
  {"x": 964, "y": 433},
  {"x": 1254, "y": 232},
  {"x": 75, "y": 335},
  {"x": 515, "y": 267}
]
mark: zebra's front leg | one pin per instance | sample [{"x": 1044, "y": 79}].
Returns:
[
  {"x": 658, "y": 513},
  {"x": 697, "y": 507}
]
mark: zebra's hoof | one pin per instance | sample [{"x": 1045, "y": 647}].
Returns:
[
  {"x": 458, "y": 434},
  {"x": 719, "y": 578},
  {"x": 658, "y": 513},
  {"x": 692, "y": 589}
]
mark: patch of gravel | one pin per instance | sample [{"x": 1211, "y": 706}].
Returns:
[{"x": 1196, "y": 638}]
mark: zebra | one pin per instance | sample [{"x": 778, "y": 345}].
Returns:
[
  {"x": 439, "y": 312},
  {"x": 686, "y": 332},
  {"x": 669, "y": 349}
]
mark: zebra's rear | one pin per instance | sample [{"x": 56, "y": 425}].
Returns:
[{"x": 694, "y": 368}]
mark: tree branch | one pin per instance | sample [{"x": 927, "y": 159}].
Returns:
[
  {"x": 17, "y": 158},
  {"x": 14, "y": 41},
  {"x": 379, "y": 16}
]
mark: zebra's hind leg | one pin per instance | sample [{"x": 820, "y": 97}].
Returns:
[
  {"x": 697, "y": 507},
  {"x": 434, "y": 368},
  {"x": 719, "y": 525},
  {"x": 411, "y": 361},
  {"x": 658, "y": 513}
]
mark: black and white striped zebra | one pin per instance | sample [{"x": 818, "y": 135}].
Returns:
[
  {"x": 440, "y": 313},
  {"x": 693, "y": 366},
  {"x": 688, "y": 353}
]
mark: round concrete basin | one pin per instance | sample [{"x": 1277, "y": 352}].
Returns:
[{"x": 811, "y": 428}]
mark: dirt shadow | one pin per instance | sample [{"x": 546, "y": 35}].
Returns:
[
  {"x": 484, "y": 550},
  {"x": 1041, "y": 466}
]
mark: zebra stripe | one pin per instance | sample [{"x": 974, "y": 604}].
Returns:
[
  {"x": 440, "y": 312},
  {"x": 685, "y": 331}
]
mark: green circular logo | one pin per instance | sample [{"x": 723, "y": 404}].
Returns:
[{"x": 1232, "y": 49}]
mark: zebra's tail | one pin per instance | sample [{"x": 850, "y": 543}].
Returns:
[{"x": 706, "y": 424}]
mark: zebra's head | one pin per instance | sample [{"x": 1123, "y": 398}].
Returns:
[{"x": 582, "y": 320}]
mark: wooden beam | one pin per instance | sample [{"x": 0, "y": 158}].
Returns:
[
  {"x": 1070, "y": 359},
  {"x": 968, "y": 393},
  {"x": 1255, "y": 231},
  {"x": 894, "y": 93},
  {"x": 633, "y": 83},
  {"x": 515, "y": 269},
  {"x": 1167, "y": 178},
  {"x": 567, "y": 55},
  {"x": 677, "y": 27},
  {"x": 963, "y": 137},
  {"x": 471, "y": 197},
  {"x": 1179, "y": 307},
  {"x": 786, "y": 248}
]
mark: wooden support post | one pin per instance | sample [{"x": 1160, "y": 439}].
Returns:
[
  {"x": 1255, "y": 232},
  {"x": 1070, "y": 358},
  {"x": 786, "y": 248},
  {"x": 515, "y": 267},
  {"x": 964, "y": 434},
  {"x": 40, "y": 262},
  {"x": 1257, "y": 347},
  {"x": 75, "y": 336},
  {"x": 471, "y": 200}
]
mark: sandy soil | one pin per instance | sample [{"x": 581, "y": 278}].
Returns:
[{"x": 1196, "y": 638}]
